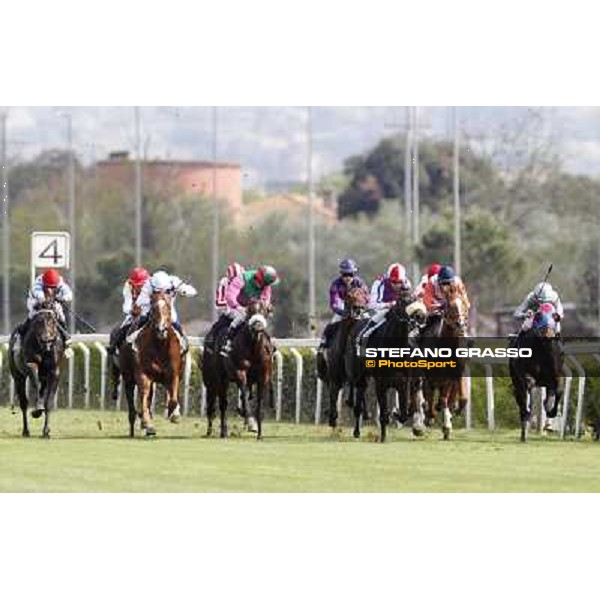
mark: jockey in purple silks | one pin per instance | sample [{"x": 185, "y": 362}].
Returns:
[
  {"x": 347, "y": 280},
  {"x": 385, "y": 291}
]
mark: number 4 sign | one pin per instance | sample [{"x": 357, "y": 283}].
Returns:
[{"x": 49, "y": 249}]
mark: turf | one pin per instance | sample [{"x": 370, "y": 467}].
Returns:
[{"x": 89, "y": 452}]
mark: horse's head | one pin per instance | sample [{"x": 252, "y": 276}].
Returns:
[
  {"x": 256, "y": 313},
  {"x": 44, "y": 326},
  {"x": 456, "y": 315},
  {"x": 356, "y": 302},
  {"x": 544, "y": 324},
  {"x": 160, "y": 313}
]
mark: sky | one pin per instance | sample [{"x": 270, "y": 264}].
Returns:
[{"x": 271, "y": 143}]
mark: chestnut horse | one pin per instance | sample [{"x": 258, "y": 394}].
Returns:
[
  {"x": 445, "y": 329},
  {"x": 158, "y": 359}
]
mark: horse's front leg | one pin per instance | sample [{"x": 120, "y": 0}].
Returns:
[
  {"x": 37, "y": 399},
  {"x": 384, "y": 417},
  {"x": 415, "y": 392},
  {"x": 260, "y": 391},
  {"x": 334, "y": 390},
  {"x": 173, "y": 411},
  {"x": 49, "y": 394},
  {"x": 21, "y": 392},
  {"x": 242, "y": 382},
  {"x": 358, "y": 391},
  {"x": 144, "y": 384},
  {"x": 445, "y": 394},
  {"x": 223, "y": 409}
]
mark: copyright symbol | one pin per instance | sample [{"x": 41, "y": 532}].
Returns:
[{"x": 370, "y": 363}]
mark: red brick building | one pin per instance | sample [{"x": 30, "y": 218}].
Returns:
[{"x": 189, "y": 178}]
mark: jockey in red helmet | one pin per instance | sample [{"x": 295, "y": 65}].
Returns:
[
  {"x": 251, "y": 285},
  {"x": 385, "y": 291},
  {"x": 131, "y": 290},
  {"x": 48, "y": 285},
  {"x": 430, "y": 271}
]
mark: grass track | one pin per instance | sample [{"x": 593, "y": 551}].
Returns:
[{"x": 81, "y": 457}]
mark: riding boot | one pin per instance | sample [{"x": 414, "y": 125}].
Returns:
[
  {"x": 119, "y": 339},
  {"x": 325, "y": 338},
  {"x": 228, "y": 341},
  {"x": 132, "y": 337},
  {"x": 185, "y": 346}
]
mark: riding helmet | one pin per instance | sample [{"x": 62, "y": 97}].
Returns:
[
  {"x": 51, "y": 278},
  {"x": 446, "y": 275},
  {"x": 348, "y": 267}
]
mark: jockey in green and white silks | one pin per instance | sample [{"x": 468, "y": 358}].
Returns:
[
  {"x": 253, "y": 284},
  {"x": 543, "y": 293}
]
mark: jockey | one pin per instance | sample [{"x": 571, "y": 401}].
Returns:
[
  {"x": 225, "y": 313},
  {"x": 543, "y": 293},
  {"x": 171, "y": 285},
  {"x": 49, "y": 284},
  {"x": 131, "y": 290},
  {"x": 436, "y": 289},
  {"x": 250, "y": 285},
  {"x": 432, "y": 270},
  {"x": 385, "y": 291},
  {"x": 347, "y": 280}
]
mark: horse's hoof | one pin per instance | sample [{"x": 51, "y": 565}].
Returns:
[
  {"x": 446, "y": 432},
  {"x": 150, "y": 431},
  {"x": 251, "y": 425},
  {"x": 46, "y": 435},
  {"x": 259, "y": 438},
  {"x": 356, "y": 433},
  {"x": 26, "y": 434},
  {"x": 417, "y": 432},
  {"x": 224, "y": 432},
  {"x": 37, "y": 413},
  {"x": 174, "y": 419}
]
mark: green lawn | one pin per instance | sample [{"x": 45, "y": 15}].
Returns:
[{"x": 89, "y": 452}]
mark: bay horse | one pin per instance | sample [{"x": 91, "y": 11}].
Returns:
[
  {"x": 158, "y": 359},
  {"x": 542, "y": 369},
  {"x": 248, "y": 364},
  {"x": 395, "y": 332},
  {"x": 331, "y": 364},
  {"x": 446, "y": 329},
  {"x": 38, "y": 359}
]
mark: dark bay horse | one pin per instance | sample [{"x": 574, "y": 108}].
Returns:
[
  {"x": 249, "y": 364},
  {"x": 331, "y": 365},
  {"x": 543, "y": 369},
  {"x": 158, "y": 360},
  {"x": 38, "y": 359},
  {"x": 395, "y": 331},
  {"x": 445, "y": 330}
]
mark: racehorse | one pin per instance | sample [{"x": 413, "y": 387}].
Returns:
[
  {"x": 331, "y": 365},
  {"x": 158, "y": 359},
  {"x": 248, "y": 364},
  {"x": 445, "y": 329},
  {"x": 542, "y": 369},
  {"x": 395, "y": 330},
  {"x": 38, "y": 359}
]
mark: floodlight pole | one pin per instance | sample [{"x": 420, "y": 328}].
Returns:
[
  {"x": 311, "y": 227},
  {"x": 415, "y": 193},
  {"x": 72, "y": 222},
  {"x": 215, "y": 223},
  {"x": 138, "y": 188},
  {"x": 457, "y": 215},
  {"x": 5, "y": 228}
]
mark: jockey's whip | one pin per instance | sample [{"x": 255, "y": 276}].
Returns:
[
  {"x": 539, "y": 294},
  {"x": 80, "y": 319}
]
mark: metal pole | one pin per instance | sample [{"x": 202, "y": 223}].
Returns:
[
  {"x": 138, "y": 188},
  {"x": 415, "y": 191},
  {"x": 215, "y": 226},
  {"x": 311, "y": 228},
  {"x": 5, "y": 230},
  {"x": 71, "y": 191},
  {"x": 457, "y": 240},
  {"x": 407, "y": 181}
]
